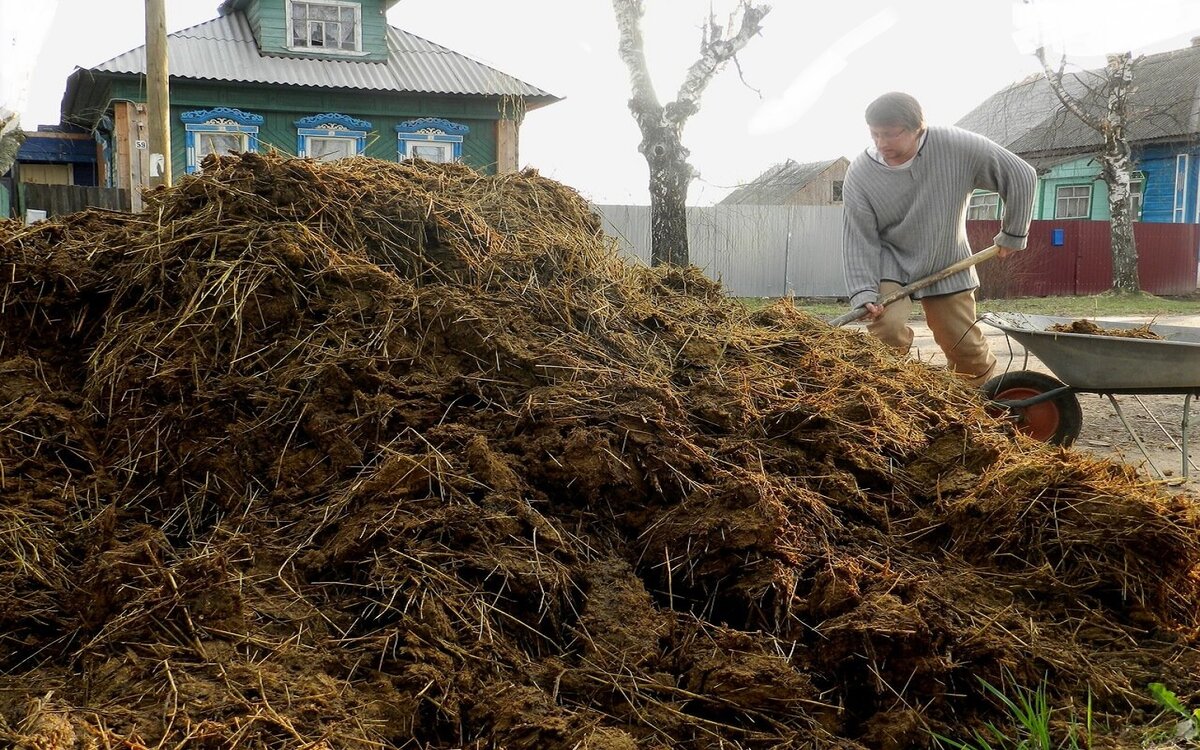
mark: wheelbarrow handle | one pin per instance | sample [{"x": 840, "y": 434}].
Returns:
[{"x": 921, "y": 283}]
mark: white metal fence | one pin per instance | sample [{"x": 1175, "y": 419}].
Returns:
[{"x": 754, "y": 251}]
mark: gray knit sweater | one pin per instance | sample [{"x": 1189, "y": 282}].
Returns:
[{"x": 903, "y": 224}]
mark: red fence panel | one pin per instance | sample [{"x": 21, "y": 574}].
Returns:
[
  {"x": 1168, "y": 257},
  {"x": 1067, "y": 258},
  {"x": 1092, "y": 243},
  {"x": 1043, "y": 270}
]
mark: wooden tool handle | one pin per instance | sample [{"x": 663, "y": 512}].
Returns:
[{"x": 921, "y": 283}]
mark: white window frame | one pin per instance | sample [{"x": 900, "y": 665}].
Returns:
[
  {"x": 331, "y": 125},
  {"x": 290, "y": 37},
  {"x": 1196, "y": 217},
  {"x": 978, "y": 201},
  {"x": 219, "y": 120},
  {"x": 1179, "y": 214},
  {"x": 313, "y": 140},
  {"x": 446, "y": 150},
  {"x": 1137, "y": 197},
  {"x": 243, "y": 138},
  {"x": 428, "y": 131},
  {"x": 1058, "y": 198}
]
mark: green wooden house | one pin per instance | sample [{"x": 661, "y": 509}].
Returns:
[
  {"x": 1163, "y": 130},
  {"x": 322, "y": 78}
]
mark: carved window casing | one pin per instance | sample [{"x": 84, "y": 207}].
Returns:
[
  {"x": 221, "y": 130},
  {"x": 430, "y": 138},
  {"x": 331, "y": 136}
]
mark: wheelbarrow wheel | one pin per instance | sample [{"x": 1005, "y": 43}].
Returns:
[{"x": 1057, "y": 420}]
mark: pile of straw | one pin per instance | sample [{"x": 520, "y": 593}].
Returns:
[
  {"x": 361, "y": 455},
  {"x": 1089, "y": 327}
]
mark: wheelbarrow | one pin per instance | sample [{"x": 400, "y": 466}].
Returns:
[{"x": 1047, "y": 408}]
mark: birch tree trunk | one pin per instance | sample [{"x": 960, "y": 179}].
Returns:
[
  {"x": 662, "y": 125},
  {"x": 1118, "y": 172},
  {"x": 1116, "y": 160},
  {"x": 670, "y": 175}
]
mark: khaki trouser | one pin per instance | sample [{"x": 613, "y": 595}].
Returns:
[{"x": 951, "y": 318}]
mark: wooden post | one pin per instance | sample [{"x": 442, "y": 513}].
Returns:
[
  {"x": 506, "y": 146},
  {"x": 158, "y": 96},
  {"x": 125, "y": 174}
]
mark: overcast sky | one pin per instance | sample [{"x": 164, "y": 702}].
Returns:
[{"x": 806, "y": 81}]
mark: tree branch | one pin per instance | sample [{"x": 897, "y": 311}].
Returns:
[
  {"x": 1054, "y": 77},
  {"x": 715, "y": 52},
  {"x": 631, "y": 49}
]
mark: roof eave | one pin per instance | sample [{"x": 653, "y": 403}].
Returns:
[
  {"x": 537, "y": 102},
  {"x": 229, "y": 6}
]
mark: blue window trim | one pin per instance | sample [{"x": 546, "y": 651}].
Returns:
[
  {"x": 331, "y": 125},
  {"x": 427, "y": 129},
  {"x": 210, "y": 121}
]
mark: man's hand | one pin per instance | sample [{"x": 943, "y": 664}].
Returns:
[
  {"x": 874, "y": 311},
  {"x": 1004, "y": 252}
]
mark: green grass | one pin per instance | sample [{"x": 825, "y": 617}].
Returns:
[
  {"x": 1095, "y": 306},
  {"x": 1029, "y": 726},
  {"x": 1032, "y": 724}
]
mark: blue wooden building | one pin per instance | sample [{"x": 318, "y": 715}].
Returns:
[{"x": 1163, "y": 129}]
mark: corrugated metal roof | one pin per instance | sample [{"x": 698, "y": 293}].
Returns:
[
  {"x": 1012, "y": 112},
  {"x": 1028, "y": 118},
  {"x": 224, "y": 49},
  {"x": 50, "y": 149},
  {"x": 777, "y": 185}
]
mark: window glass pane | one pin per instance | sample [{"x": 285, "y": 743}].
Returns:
[
  {"x": 333, "y": 34},
  {"x": 984, "y": 206},
  {"x": 322, "y": 25},
  {"x": 1136, "y": 188},
  {"x": 331, "y": 149},
  {"x": 218, "y": 143},
  {"x": 1072, "y": 202},
  {"x": 430, "y": 151},
  {"x": 1181, "y": 171}
]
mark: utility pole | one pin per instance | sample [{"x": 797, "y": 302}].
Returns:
[{"x": 158, "y": 94}]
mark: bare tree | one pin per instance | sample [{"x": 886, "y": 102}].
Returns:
[
  {"x": 1116, "y": 159},
  {"x": 662, "y": 125}
]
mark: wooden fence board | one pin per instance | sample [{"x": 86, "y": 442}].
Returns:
[{"x": 57, "y": 200}]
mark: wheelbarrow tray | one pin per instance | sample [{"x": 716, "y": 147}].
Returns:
[{"x": 1109, "y": 364}]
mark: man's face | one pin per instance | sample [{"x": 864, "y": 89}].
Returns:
[{"x": 896, "y": 143}]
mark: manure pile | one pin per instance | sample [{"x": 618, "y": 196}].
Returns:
[
  {"x": 363, "y": 455},
  {"x": 1090, "y": 327}
]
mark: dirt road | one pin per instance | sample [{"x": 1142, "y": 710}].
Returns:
[{"x": 1156, "y": 419}]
